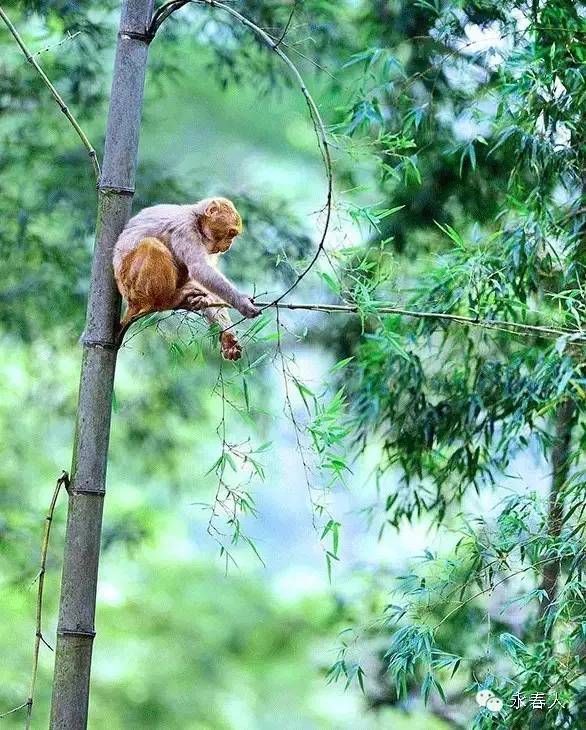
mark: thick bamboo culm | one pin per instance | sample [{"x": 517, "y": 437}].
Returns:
[{"x": 75, "y": 631}]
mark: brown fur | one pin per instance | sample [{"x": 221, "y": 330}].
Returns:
[
  {"x": 151, "y": 281},
  {"x": 148, "y": 277}
]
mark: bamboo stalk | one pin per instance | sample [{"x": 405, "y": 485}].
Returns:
[
  {"x": 75, "y": 631},
  {"x": 58, "y": 98},
  {"x": 560, "y": 460}
]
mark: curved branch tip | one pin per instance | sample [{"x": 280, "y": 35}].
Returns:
[{"x": 172, "y": 6}]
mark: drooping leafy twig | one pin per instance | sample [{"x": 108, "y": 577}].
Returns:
[
  {"x": 232, "y": 502},
  {"x": 322, "y": 520}
]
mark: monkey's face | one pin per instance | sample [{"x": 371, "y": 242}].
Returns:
[{"x": 220, "y": 224}]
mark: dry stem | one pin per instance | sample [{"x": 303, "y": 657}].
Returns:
[{"x": 58, "y": 98}]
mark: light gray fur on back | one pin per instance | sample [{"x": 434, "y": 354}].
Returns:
[{"x": 157, "y": 221}]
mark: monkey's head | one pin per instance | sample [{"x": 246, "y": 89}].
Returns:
[{"x": 219, "y": 223}]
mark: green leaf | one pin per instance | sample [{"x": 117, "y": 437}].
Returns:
[
  {"x": 512, "y": 645},
  {"x": 341, "y": 364},
  {"x": 332, "y": 284}
]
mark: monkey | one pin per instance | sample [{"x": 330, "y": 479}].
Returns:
[{"x": 167, "y": 256}]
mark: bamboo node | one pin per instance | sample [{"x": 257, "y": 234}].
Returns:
[
  {"x": 82, "y": 633},
  {"x": 145, "y": 37},
  {"x": 104, "y": 344},
  {"x": 114, "y": 189}
]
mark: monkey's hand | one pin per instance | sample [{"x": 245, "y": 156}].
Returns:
[
  {"x": 247, "y": 308},
  {"x": 230, "y": 346}
]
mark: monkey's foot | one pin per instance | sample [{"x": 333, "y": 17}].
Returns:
[
  {"x": 195, "y": 299},
  {"x": 230, "y": 346}
]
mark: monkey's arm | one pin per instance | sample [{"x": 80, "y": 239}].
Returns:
[{"x": 212, "y": 280}]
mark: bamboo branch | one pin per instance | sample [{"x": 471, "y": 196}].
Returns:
[
  {"x": 163, "y": 13},
  {"x": 60, "y": 102},
  {"x": 492, "y": 586},
  {"x": 561, "y": 457},
  {"x": 63, "y": 481},
  {"x": 281, "y": 38},
  {"x": 518, "y": 328},
  {"x": 13, "y": 710},
  {"x": 68, "y": 37}
]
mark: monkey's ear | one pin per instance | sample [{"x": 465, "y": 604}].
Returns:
[
  {"x": 233, "y": 232},
  {"x": 212, "y": 208}
]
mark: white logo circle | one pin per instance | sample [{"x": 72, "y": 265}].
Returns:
[
  {"x": 483, "y": 696},
  {"x": 494, "y": 704}
]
